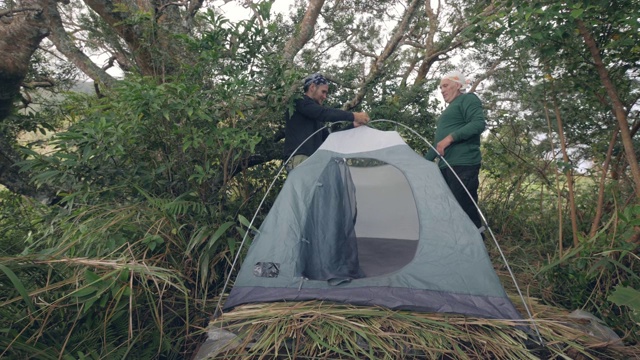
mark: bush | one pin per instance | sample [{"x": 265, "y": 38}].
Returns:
[{"x": 598, "y": 274}]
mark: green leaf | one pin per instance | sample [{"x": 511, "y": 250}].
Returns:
[
  {"x": 86, "y": 154},
  {"x": 626, "y": 296},
  {"x": 89, "y": 303},
  {"x": 243, "y": 220},
  {"x": 84, "y": 291},
  {"x": 221, "y": 230},
  {"x": 204, "y": 269},
  {"x": 19, "y": 287},
  {"x": 46, "y": 174},
  {"x": 124, "y": 275},
  {"x": 91, "y": 277},
  {"x": 231, "y": 242},
  {"x": 576, "y": 13}
]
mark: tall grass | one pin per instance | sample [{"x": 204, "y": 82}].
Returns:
[{"x": 104, "y": 281}]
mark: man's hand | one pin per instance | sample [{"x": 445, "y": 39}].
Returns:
[
  {"x": 360, "y": 118},
  {"x": 443, "y": 144}
]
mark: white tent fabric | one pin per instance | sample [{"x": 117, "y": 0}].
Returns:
[{"x": 361, "y": 139}]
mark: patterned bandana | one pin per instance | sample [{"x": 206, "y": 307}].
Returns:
[{"x": 316, "y": 78}]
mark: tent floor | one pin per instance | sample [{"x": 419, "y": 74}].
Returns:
[{"x": 383, "y": 256}]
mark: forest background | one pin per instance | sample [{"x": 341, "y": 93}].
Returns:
[{"x": 120, "y": 220}]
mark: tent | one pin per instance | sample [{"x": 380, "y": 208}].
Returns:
[{"x": 368, "y": 221}]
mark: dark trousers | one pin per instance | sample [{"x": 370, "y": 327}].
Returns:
[{"x": 469, "y": 176}]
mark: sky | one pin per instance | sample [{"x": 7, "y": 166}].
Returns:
[{"x": 234, "y": 10}]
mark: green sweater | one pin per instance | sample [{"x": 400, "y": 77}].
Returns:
[{"x": 464, "y": 120}]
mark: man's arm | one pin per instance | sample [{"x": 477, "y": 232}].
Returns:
[{"x": 312, "y": 110}]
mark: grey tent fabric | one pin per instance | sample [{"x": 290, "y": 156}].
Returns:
[
  {"x": 329, "y": 249},
  {"x": 383, "y": 256},
  {"x": 416, "y": 248}
]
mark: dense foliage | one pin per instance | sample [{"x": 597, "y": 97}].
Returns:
[{"x": 153, "y": 181}]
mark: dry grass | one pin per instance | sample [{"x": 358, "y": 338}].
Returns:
[{"x": 316, "y": 330}]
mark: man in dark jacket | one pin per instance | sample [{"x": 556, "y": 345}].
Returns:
[{"x": 309, "y": 116}]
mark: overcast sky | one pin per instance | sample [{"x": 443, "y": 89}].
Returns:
[{"x": 233, "y": 10}]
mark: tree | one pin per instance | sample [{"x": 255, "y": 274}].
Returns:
[
  {"x": 610, "y": 53},
  {"x": 143, "y": 38},
  {"x": 21, "y": 31},
  {"x": 541, "y": 61}
]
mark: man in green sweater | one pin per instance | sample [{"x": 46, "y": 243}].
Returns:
[{"x": 457, "y": 140}]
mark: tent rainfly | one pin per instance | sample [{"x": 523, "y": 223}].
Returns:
[{"x": 368, "y": 221}]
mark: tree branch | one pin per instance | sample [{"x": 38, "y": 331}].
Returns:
[
  {"x": 486, "y": 75},
  {"x": 378, "y": 64},
  {"x": 110, "y": 12},
  {"x": 65, "y": 45},
  {"x": 414, "y": 44},
  {"x": 11, "y": 12},
  {"x": 120, "y": 59},
  {"x": 305, "y": 30},
  {"x": 38, "y": 84},
  {"x": 435, "y": 52},
  {"x": 360, "y": 51}
]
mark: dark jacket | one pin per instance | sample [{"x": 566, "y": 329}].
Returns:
[{"x": 307, "y": 118}]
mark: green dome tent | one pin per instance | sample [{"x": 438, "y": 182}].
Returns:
[{"x": 367, "y": 221}]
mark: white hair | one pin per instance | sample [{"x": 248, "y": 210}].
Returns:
[{"x": 457, "y": 77}]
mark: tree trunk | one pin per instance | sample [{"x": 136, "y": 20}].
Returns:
[
  {"x": 305, "y": 32},
  {"x": 557, "y": 182},
  {"x": 618, "y": 108},
  {"x": 569, "y": 175},
  {"x": 150, "y": 45},
  {"x": 20, "y": 34},
  {"x": 605, "y": 169}
]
